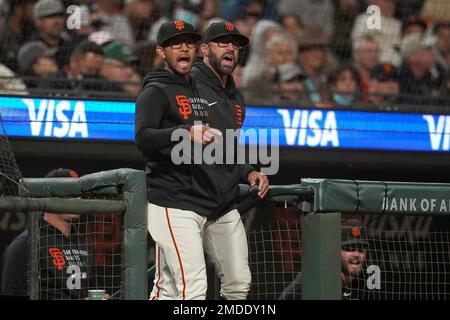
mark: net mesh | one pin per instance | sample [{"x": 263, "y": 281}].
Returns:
[
  {"x": 350, "y": 53},
  {"x": 407, "y": 259},
  {"x": 9, "y": 170},
  {"x": 89, "y": 257}
]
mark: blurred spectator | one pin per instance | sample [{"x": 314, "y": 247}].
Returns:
[
  {"x": 208, "y": 12},
  {"x": 414, "y": 25},
  {"x": 288, "y": 84},
  {"x": 118, "y": 68},
  {"x": 263, "y": 31},
  {"x": 441, "y": 49},
  {"x": 114, "y": 21},
  {"x": 345, "y": 13},
  {"x": 259, "y": 9},
  {"x": 314, "y": 14},
  {"x": 83, "y": 71},
  {"x": 313, "y": 61},
  {"x": 37, "y": 63},
  {"x": 383, "y": 85},
  {"x": 343, "y": 86},
  {"x": 388, "y": 36},
  {"x": 281, "y": 48},
  {"x": 189, "y": 11},
  {"x": 85, "y": 61},
  {"x": 49, "y": 18},
  {"x": 292, "y": 25},
  {"x": 366, "y": 55},
  {"x": 419, "y": 76},
  {"x": 141, "y": 14},
  {"x": 16, "y": 31},
  {"x": 436, "y": 10},
  {"x": 10, "y": 84},
  {"x": 147, "y": 59}
]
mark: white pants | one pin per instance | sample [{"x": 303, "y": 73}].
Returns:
[{"x": 181, "y": 238}]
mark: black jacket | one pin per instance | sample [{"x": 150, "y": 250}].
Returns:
[
  {"x": 66, "y": 271},
  {"x": 162, "y": 107}
]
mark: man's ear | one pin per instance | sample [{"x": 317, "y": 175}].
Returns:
[
  {"x": 204, "y": 49},
  {"x": 161, "y": 53}
]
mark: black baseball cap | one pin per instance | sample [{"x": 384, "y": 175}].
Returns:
[
  {"x": 172, "y": 29},
  {"x": 220, "y": 29},
  {"x": 353, "y": 237},
  {"x": 385, "y": 72}
]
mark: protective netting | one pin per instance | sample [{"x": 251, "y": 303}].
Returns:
[
  {"x": 328, "y": 53},
  {"x": 393, "y": 258},
  {"x": 9, "y": 170},
  {"x": 86, "y": 255}
]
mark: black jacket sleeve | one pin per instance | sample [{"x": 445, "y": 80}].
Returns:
[
  {"x": 14, "y": 279},
  {"x": 150, "y": 108}
]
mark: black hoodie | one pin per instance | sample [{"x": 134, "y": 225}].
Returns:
[{"x": 167, "y": 103}]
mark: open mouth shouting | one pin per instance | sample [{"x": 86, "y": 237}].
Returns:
[
  {"x": 184, "y": 62},
  {"x": 228, "y": 60}
]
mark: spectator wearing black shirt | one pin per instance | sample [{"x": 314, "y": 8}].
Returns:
[
  {"x": 65, "y": 270},
  {"x": 49, "y": 18}
]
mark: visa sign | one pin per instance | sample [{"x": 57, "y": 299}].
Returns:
[
  {"x": 310, "y": 128},
  {"x": 439, "y": 130},
  {"x": 57, "y": 119}
]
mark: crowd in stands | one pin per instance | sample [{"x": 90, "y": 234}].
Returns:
[{"x": 315, "y": 53}]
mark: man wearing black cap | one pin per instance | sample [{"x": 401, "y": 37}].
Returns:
[
  {"x": 63, "y": 256},
  {"x": 353, "y": 256},
  {"x": 383, "y": 85},
  {"x": 180, "y": 196},
  {"x": 213, "y": 76},
  {"x": 192, "y": 206}
]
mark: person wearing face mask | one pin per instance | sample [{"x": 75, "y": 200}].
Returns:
[
  {"x": 354, "y": 249},
  {"x": 343, "y": 86}
]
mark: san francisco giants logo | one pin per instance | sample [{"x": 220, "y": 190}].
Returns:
[
  {"x": 58, "y": 258},
  {"x": 179, "y": 25},
  {"x": 185, "y": 107},
  {"x": 356, "y": 232},
  {"x": 229, "y": 26}
]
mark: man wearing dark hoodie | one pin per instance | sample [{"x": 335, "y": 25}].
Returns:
[
  {"x": 213, "y": 78},
  {"x": 191, "y": 206}
]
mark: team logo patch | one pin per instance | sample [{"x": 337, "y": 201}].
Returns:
[
  {"x": 58, "y": 258},
  {"x": 185, "y": 106},
  {"x": 179, "y": 25},
  {"x": 229, "y": 26}
]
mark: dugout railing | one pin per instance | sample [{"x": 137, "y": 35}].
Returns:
[
  {"x": 324, "y": 204},
  {"x": 127, "y": 188}
]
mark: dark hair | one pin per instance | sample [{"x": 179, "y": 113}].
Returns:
[
  {"x": 332, "y": 79},
  {"x": 86, "y": 47},
  {"x": 341, "y": 69},
  {"x": 295, "y": 16}
]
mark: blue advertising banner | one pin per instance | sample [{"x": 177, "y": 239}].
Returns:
[{"x": 105, "y": 120}]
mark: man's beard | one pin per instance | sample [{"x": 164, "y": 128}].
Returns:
[{"x": 215, "y": 63}]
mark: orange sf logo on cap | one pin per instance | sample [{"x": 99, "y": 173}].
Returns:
[
  {"x": 356, "y": 232},
  {"x": 229, "y": 26},
  {"x": 179, "y": 25}
]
